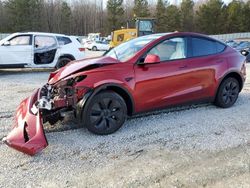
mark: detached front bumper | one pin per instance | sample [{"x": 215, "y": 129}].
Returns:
[{"x": 27, "y": 134}]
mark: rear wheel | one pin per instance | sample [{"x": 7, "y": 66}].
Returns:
[
  {"x": 228, "y": 93},
  {"x": 105, "y": 113},
  {"x": 62, "y": 62}
]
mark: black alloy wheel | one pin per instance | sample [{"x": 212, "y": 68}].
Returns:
[
  {"x": 105, "y": 113},
  {"x": 228, "y": 93}
]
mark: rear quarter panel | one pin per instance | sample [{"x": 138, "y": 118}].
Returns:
[{"x": 235, "y": 63}]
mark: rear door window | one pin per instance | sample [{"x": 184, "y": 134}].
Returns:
[
  {"x": 203, "y": 47},
  {"x": 63, "y": 40},
  {"x": 45, "y": 42}
]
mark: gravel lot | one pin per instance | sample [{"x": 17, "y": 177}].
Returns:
[{"x": 198, "y": 146}]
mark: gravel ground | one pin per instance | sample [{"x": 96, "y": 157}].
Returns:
[{"x": 197, "y": 146}]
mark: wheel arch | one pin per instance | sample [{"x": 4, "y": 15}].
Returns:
[
  {"x": 94, "y": 47},
  {"x": 124, "y": 93},
  {"x": 117, "y": 88},
  {"x": 235, "y": 75},
  {"x": 70, "y": 56}
]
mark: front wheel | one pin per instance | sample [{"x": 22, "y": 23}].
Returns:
[
  {"x": 105, "y": 113},
  {"x": 228, "y": 93}
]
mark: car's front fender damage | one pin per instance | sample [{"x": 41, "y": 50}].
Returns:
[{"x": 44, "y": 105}]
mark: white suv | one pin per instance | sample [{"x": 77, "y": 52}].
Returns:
[
  {"x": 98, "y": 45},
  {"x": 39, "y": 50}
]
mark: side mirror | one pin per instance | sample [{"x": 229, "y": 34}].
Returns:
[
  {"x": 6, "y": 43},
  {"x": 151, "y": 59}
]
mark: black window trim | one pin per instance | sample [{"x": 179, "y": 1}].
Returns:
[{"x": 30, "y": 42}]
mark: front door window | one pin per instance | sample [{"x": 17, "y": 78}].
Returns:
[{"x": 171, "y": 49}]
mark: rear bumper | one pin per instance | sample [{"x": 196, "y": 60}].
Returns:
[{"x": 27, "y": 134}]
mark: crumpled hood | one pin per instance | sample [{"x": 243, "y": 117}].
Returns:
[{"x": 75, "y": 66}]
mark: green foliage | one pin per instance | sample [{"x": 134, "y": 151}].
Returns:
[
  {"x": 65, "y": 17},
  {"x": 141, "y": 8},
  {"x": 187, "y": 15},
  {"x": 24, "y": 14},
  {"x": 173, "y": 18},
  {"x": 115, "y": 13},
  {"x": 168, "y": 17},
  {"x": 234, "y": 16},
  {"x": 245, "y": 17},
  {"x": 83, "y": 17},
  {"x": 160, "y": 16},
  {"x": 2, "y": 18},
  {"x": 211, "y": 17}
]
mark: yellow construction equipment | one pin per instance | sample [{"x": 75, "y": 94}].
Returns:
[{"x": 143, "y": 26}]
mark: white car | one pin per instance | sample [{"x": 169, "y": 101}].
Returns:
[
  {"x": 98, "y": 45},
  {"x": 39, "y": 50}
]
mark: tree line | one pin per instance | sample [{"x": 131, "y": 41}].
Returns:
[{"x": 82, "y": 17}]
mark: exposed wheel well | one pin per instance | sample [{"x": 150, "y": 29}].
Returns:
[
  {"x": 67, "y": 56},
  {"x": 124, "y": 94},
  {"x": 236, "y": 76}
]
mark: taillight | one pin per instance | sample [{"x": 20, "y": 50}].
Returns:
[{"x": 81, "y": 49}]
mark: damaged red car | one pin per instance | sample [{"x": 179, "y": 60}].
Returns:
[{"x": 143, "y": 74}]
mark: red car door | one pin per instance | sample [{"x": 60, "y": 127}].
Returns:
[
  {"x": 159, "y": 85},
  {"x": 203, "y": 66},
  {"x": 165, "y": 83}
]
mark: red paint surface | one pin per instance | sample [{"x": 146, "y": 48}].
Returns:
[{"x": 34, "y": 127}]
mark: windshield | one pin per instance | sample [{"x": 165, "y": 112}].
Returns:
[
  {"x": 126, "y": 50},
  {"x": 7, "y": 37}
]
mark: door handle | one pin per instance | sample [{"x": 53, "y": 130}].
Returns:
[{"x": 183, "y": 67}]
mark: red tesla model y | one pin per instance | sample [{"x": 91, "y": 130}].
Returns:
[{"x": 143, "y": 74}]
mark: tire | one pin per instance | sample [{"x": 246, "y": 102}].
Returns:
[
  {"x": 62, "y": 62},
  {"x": 105, "y": 113},
  {"x": 94, "y": 48},
  {"x": 228, "y": 93}
]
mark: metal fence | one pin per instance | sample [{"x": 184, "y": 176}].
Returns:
[
  {"x": 232, "y": 36},
  {"x": 223, "y": 37}
]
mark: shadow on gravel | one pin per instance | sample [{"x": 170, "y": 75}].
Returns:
[{"x": 70, "y": 123}]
